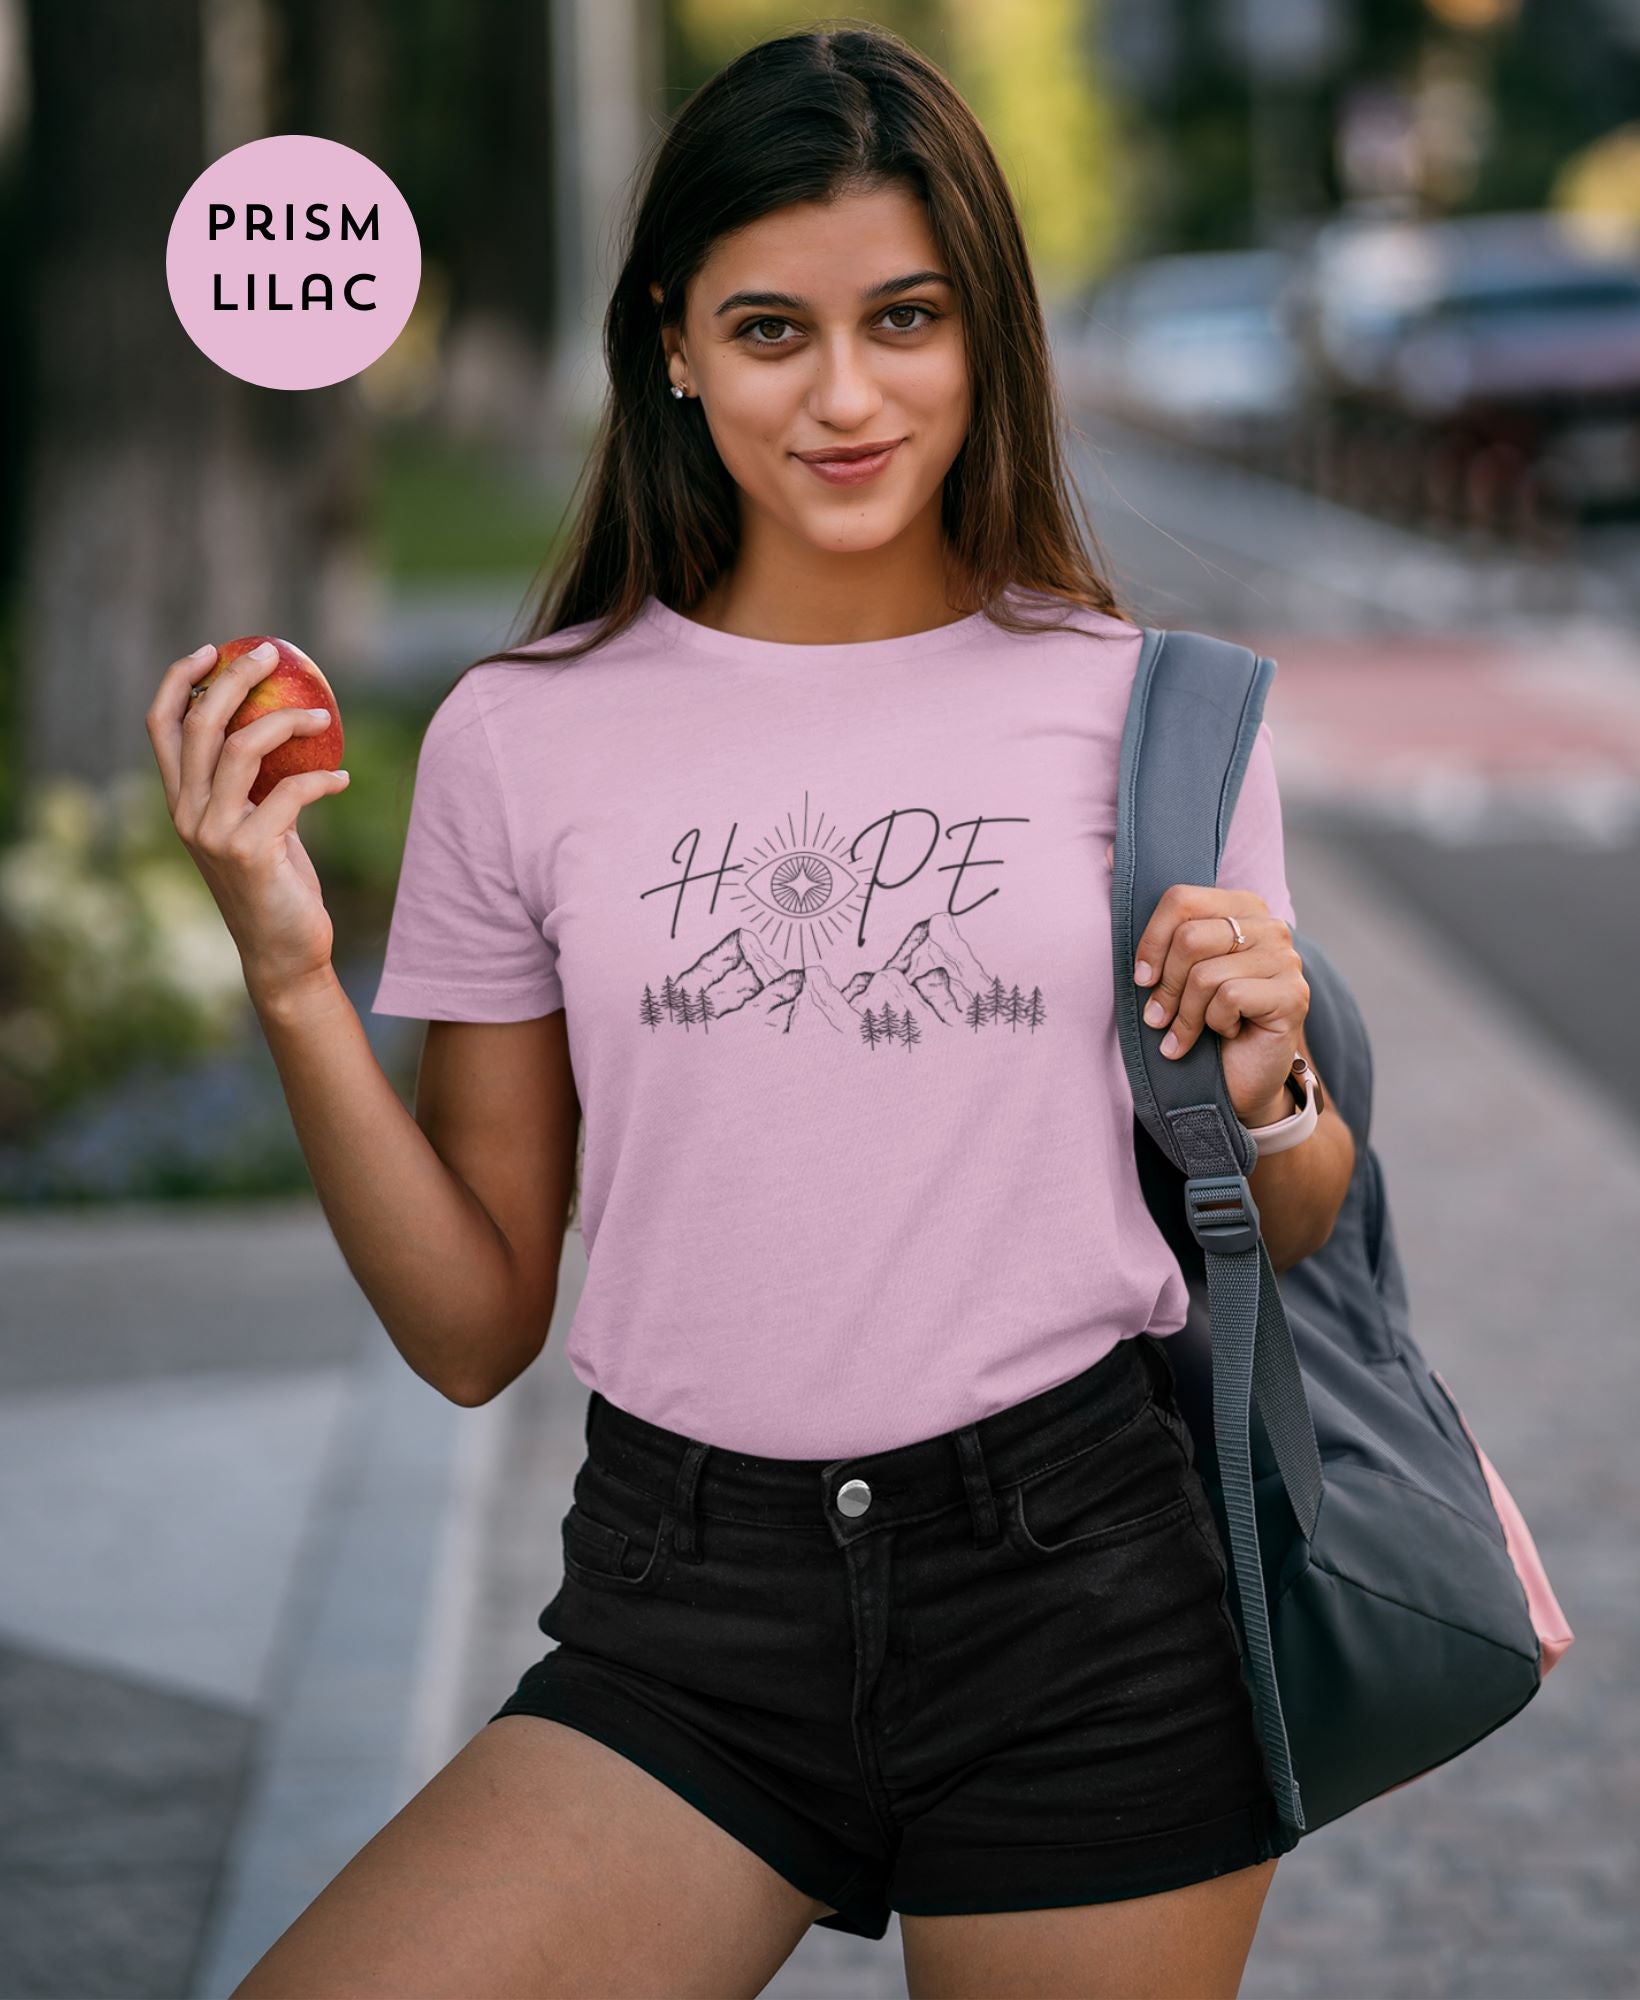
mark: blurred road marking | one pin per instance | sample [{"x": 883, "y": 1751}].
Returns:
[{"x": 1469, "y": 736}]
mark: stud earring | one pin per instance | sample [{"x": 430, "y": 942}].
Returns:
[{"x": 676, "y": 390}]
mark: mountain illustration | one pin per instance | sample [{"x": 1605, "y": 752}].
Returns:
[
  {"x": 932, "y": 979},
  {"x": 935, "y": 960}
]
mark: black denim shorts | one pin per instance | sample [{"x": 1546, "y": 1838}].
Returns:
[{"x": 995, "y": 1669}]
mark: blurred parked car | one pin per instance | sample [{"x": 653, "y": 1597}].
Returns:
[
  {"x": 1487, "y": 364},
  {"x": 1192, "y": 343}
]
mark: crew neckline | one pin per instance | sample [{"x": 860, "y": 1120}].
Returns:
[{"x": 695, "y": 637}]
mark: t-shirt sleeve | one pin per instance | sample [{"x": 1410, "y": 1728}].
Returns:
[
  {"x": 462, "y": 945},
  {"x": 1254, "y": 856}
]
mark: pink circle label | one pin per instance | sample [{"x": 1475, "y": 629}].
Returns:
[{"x": 293, "y": 262}]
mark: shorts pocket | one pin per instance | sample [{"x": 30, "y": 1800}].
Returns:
[
  {"x": 1115, "y": 1491},
  {"x": 614, "y": 1534}
]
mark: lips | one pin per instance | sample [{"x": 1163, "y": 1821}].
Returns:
[
  {"x": 854, "y": 468},
  {"x": 837, "y": 454}
]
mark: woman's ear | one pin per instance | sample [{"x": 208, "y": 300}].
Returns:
[
  {"x": 671, "y": 339},
  {"x": 672, "y": 350}
]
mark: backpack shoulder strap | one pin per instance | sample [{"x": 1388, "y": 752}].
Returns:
[
  {"x": 1191, "y": 723},
  {"x": 1192, "y": 718}
]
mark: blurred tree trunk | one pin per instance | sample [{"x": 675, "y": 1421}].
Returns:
[
  {"x": 166, "y": 502},
  {"x": 503, "y": 278},
  {"x": 609, "y": 106}
]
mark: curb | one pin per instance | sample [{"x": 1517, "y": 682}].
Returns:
[{"x": 361, "y": 1705}]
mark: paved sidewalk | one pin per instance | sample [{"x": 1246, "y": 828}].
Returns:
[
  {"x": 259, "y": 1582},
  {"x": 231, "y": 1576}
]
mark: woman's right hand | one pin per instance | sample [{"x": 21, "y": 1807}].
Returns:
[{"x": 250, "y": 856}]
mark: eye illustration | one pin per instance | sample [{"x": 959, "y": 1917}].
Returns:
[
  {"x": 804, "y": 884},
  {"x": 799, "y": 888}
]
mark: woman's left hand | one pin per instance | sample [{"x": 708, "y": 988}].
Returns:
[{"x": 1255, "y": 999}]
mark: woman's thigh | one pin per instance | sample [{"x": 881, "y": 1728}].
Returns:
[
  {"x": 540, "y": 1865},
  {"x": 1182, "y": 1944}
]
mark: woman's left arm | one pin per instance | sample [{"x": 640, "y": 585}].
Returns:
[
  {"x": 1300, "y": 1190},
  {"x": 1255, "y": 999}
]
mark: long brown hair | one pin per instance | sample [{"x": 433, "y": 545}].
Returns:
[{"x": 805, "y": 117}]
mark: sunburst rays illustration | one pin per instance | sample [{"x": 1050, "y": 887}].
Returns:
[{"x": 798, "y": 888}]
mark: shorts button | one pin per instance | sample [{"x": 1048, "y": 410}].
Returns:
[{"x": 853, "y": 1497}]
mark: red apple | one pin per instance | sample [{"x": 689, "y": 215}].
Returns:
[{"x": 293, "y": 681}]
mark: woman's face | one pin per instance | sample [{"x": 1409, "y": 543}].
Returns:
[{"x": 801, "y": 334}]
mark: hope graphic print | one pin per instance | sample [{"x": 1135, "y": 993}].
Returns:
[{"x": 810, "y": 896}]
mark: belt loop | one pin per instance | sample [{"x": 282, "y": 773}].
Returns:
[
  {"x": 977, "y": 1481},
  {"x": 685, "y": 1521},
  {"x": 1161, "y": 1370}
]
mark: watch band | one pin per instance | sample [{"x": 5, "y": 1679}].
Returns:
[{"x": 1291, "y": 1131}]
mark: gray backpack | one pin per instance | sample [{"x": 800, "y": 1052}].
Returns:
[{"x": 1391, "y": 1606}]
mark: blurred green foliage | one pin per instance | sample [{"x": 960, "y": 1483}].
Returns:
[
  {"x": 452, "y": 509},
  {"x": 131, "y": 1063},
  {"x": 112, "y": 943}
]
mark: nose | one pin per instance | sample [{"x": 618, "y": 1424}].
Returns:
[{"x": 845, "y": 392}]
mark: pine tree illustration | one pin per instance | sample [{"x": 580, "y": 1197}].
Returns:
[
  {"x": 686, "y": 1007},
  {"x": 911, "y": 1034},
  {"x": 669, "y": 996},
  {"x": 707, "y": 1010},
  {"x": 974, "y": 1012},
  {"x": 1035, "y": 1009},
  {"x": 1016, "y": 1006},
  {"x": 649, "y": 1009},
  {"x": 891, "y": 1024},
  {"x": 868, "y": 1029},
  {"x": 994, "y": 1010}
]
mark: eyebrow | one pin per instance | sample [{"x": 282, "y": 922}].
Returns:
[{"x": 792, "y": 303}]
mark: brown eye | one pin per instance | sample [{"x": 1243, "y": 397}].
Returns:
[
  {"x": 752, "y": 325},
  {"x": 929, "y": 316}
]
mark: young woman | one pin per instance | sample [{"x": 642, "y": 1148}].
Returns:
[{"x": 779, "y": 850}]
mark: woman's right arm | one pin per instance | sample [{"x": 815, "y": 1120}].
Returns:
[
  {"x": 432, "y": 1213},
  {"x": 451, "y": 1221}
]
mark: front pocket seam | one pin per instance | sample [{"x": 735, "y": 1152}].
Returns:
[
  {"x": 580, "y": 1524},
  {"x": 583, "y": 1574},
  {"x": 1112, "y": 1532}
]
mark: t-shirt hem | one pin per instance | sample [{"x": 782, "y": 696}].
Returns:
[{"x": 416, "y": 1000}]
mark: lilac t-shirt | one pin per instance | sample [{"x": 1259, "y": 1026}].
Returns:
[{"x": 831, "y": 927}]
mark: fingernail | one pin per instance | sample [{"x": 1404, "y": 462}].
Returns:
[
  {"x": 267, "y": 652},
  {"x": 1142, "y": 974},
  {"x": 1155, "y": 1013},
  {"x": 1170, "y": 1045},
  {"x": 201, "y": 654},
  {"x": 322, "y": 713}
]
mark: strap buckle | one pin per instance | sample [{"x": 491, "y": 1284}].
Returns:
[{"x": 1222, "y": 1213}]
